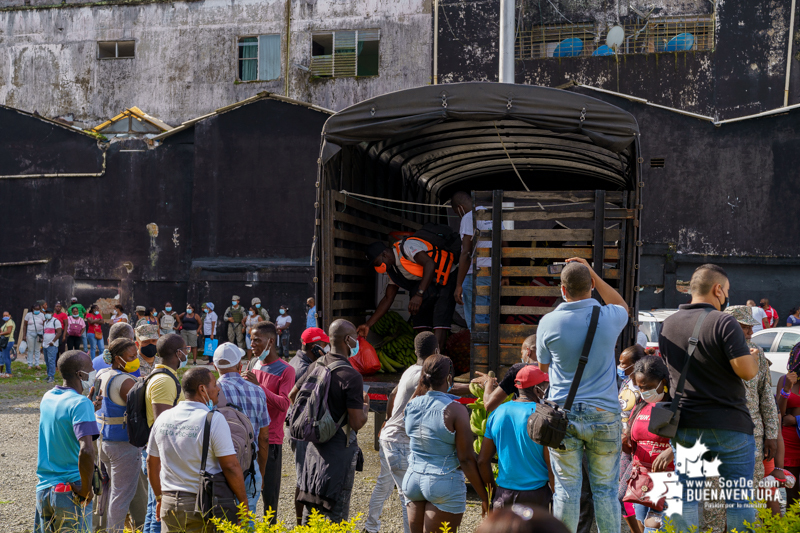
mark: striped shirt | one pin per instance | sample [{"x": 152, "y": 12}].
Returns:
[{"x": 250, "y": 398}]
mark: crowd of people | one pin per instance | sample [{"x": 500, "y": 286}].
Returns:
[
  {"x": 46, "y": 334},
  {"x": 186, "y": 435}
]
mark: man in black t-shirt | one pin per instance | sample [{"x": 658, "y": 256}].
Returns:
[
  {"x": 493, "y": 395},
  {"x": 326, "y": 477},
  {"x": 714, "y": 407}
]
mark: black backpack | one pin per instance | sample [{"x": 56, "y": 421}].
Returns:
[
  {"x": 442, "y": 237},
  {"x": 136, "y": 408}
]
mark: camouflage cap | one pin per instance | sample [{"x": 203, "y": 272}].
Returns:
[
  {"x": 147, "y": 332},
  {"x": 140, "y": 309},
  {"x": 236, "y": 298},
  {"x": 743, "y": 314}
]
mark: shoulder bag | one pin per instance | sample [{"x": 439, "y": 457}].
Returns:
[
  {"x": 665, "y": 416},
  {"x": 215, "y": 499},
  {"x": 547, "y": 425}
]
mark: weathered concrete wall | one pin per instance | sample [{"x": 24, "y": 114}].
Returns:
[
  {"x": 743, "y": 75},
  {"x": 186, "y": 54},
  {"x": 224, "y": 207}
]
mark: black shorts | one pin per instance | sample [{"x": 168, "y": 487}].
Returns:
[
  {"x": 541, "y": 497},
  {"x": 438, "y": 305}
]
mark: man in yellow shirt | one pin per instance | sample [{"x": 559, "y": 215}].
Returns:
[{"x": 162, "y": 393}]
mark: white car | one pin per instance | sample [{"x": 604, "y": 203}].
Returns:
[
  {"x": 777, "y": 343},
  {"x": 650, "y": 325}
]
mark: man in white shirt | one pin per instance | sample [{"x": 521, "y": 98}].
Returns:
[
  {"x": 461, "y": 203},
  {"x": 175, "y": 454},
  {"x": 283, "y": 323},
  {"x": 759, "y": 315},
  {"x": 52, "y": 328},
  {"x": 394, "y": 440}
]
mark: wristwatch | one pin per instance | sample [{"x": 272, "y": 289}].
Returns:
[
  {"x": 158, "y": 498},
  {"x": 420, "y": 292}
]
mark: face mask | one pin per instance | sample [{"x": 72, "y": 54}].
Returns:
[
  {"x": 7, "y": 318},
  {"x": 381, "y": 269},
  {"x": 234, "y": 303},
  {"x": 73, "y": 314},
  {"x": 354, "y": 351},
  {"x": 189, "y": 311},
  {"x": 724, "y": 304},
  {"x": 86, "y": 385},
  {"x": 36, "y": 312},
  {"x": 209, "y": 404},
  {"x": 148, "y": 351},
  {"x": 113, "y": 313},
  {"x": 282, "y": 311},
  {"x": 258, "y": 306},
  {"x": 48, "y": 316},
  {"x": 450, "y": 387},
  {"x": 155, "y": 314},
  {"x": 251, "y": 313},
  {"x": 263, "y": 355},
  {"x": 167, "y": 309},
  {"x": 621, "y": 373},
  {"x": 183, "y": 363},
  {"x": 327, "y": 349},
  {"x": 651, "y": 396},
  {"x": 131, "y": 366}
]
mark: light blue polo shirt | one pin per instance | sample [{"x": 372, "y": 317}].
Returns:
[{"x": 559, "y": 342}]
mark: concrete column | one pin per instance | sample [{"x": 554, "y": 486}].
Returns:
[{"x": 507, "y": 41}]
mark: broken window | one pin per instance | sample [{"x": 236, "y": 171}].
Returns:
[
  {"x": 345, "y": 53},
  {"x": 664, "y": 34},
  {"x": 259, "y": 58},
  {"x": 116, "y": 49}
]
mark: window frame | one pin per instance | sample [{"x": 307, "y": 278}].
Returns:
[
  {"x": 368, "y": 32},
  {"x": 116, "y": 49},
  {"x": 238, "y": 44}
]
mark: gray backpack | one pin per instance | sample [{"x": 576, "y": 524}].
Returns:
[
  {"x": 242, "y": 433},
  {"x": 308, "y": 418}
]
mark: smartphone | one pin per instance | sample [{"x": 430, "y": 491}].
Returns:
[
  {"x": 555, "y": 268},
  {"x": 366, "y": 388}
]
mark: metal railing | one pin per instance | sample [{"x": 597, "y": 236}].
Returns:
[{"x": 669, "y": 34}]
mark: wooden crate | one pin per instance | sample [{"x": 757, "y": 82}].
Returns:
[
  {"x": 549, "y": 227},
  {"x": 351, "y": 225}
]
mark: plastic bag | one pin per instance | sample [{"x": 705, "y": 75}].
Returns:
[{"x": 366, "y": 362}]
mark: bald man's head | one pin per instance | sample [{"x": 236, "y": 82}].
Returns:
[
  {"x": 339, "y": 331},
  {"x": 577, "y": 280},
  {"x": 72, "y": 362}
]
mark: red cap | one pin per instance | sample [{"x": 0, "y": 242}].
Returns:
[
  {"x": 529, "y": 376},
  {"x": 314, "y": 335}
]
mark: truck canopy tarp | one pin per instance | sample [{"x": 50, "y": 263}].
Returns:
[{"x": 443, "y": 133}]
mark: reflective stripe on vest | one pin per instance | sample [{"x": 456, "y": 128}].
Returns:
[{"x": 442, "y": 259}]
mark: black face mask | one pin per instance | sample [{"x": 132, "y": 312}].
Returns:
[{"x": 148, "y": 351}]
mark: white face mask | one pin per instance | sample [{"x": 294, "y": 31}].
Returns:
[
  {"x": 651, "y": 396},
  {"x": 87, "y": 384}
]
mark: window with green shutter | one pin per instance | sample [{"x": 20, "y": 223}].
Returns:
[{"x": 345, "y": 53}]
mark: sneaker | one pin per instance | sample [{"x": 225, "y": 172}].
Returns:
[{"x": 51, "y": 380}]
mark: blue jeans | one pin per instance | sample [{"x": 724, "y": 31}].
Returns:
[
  {"x": 467, "y": 296},
  {"x": 253, "y": 490},
  {"x": 736, "y": 452},
  {"x": 5, "y": 357},
  {"x": 93, "y": 344},
  {"x": 57, "y": 512},
  {"x": 84, "y": 341},
  {"x": 643, "y": 512},
  {"x": 598, "y": 434},
  {"x": 50, "y": 354},
  {"x": 151, "y": 524}
]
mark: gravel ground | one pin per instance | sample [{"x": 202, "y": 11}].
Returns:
[{"x": 19, "y": 427}]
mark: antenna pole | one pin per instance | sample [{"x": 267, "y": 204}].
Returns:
[{"x": 507, "y": 41}]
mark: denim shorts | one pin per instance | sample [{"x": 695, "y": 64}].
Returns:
[{"x": 446, "y": 492}]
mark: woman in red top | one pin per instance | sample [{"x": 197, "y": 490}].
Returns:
[
  {"x": 788, "y": 396},
  {"x": 94, "y": 319},
  {"x": 653, "y": 452}
]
